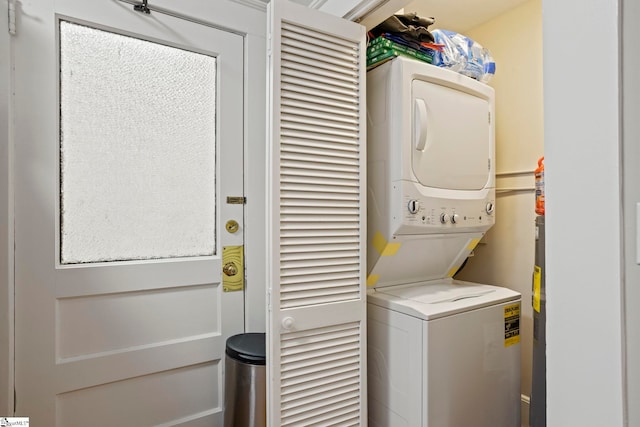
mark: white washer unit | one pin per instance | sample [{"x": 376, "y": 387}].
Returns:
[{"x": 442, "y": 353}]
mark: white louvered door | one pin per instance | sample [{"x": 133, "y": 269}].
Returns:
[{"x": 317, "y": 299}]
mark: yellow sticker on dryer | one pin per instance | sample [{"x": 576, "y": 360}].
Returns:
[
  {"x": 472, "y": 244},
  {"x": 511, "y": 324},
  {"x": 453, "y": 271},
  {"x": 383, "y": 247},
  {"x": 372, "y": 279}
]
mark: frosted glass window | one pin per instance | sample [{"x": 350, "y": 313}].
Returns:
[{"x": 137, "y": 148}]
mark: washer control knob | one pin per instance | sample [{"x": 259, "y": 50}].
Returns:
[
  {"x": 455, "y": 218},
  {"x": 444, "y": 218},
  {"x": 413, "y": 206},
  {"x": 490, "y": 208}
]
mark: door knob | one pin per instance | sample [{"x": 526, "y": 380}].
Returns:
[
  {"x": 230, "y": 269},
  {"x": 287, "y": 323}
]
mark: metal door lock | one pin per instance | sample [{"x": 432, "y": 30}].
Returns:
[
  {"x": 232, "y": 226},
  {"x": 232, "y": 268}
]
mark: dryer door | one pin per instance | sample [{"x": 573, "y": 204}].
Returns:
[{"x": 452, "y": 137}]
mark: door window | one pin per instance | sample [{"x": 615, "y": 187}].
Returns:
[{"x": 137, "y": 148}]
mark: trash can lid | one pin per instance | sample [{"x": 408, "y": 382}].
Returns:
[{"x": 248, "y": 348}]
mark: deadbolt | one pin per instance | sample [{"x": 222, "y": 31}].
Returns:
[
  {"x": 230, "y": 269},
  {"x": 232, "y": 226}
]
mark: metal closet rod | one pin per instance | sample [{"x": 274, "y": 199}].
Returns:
[
  {"x": 511, "y": 173},
  {"x": 513, "y": 189},
  {"x": 508, "y": 190},
  {"x": 145, "y": 7}
]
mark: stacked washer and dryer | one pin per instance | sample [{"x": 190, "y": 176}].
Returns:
[{"x": 441, "y": 352}]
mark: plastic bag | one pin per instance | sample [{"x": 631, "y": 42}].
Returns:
[
  {"x": 464, "y": 55},
  {"x": 409, "y": 26}
]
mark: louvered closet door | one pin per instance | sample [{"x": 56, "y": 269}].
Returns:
[{"x": 316, "y": 339}]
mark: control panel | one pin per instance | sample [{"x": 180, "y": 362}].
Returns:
[
  {"x": 447, "y": 215},
  {"x": 420, "y": 213}
]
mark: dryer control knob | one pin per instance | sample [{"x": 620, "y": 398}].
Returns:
[
  {"x": 413, "y": 206},
  {"x": 444, "y": 218},
  {"x": 455, "y": 218},
  {"x": 490, "y": 208}
]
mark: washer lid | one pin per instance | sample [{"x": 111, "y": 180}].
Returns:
[{"x": 439, "y": 298}]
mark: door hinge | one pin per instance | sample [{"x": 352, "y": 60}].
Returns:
[
  {"x": 489, "y": 121},
  {"x": 144, "y": 8},
  {"x": 15, "y": 401},
  {"x": 11, "y": 16}
]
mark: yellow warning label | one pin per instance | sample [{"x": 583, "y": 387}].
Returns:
[
  {"x": 452, "y": 271},
  {"x": 472, "y": 244},
  {"x": 511, "y": 324},
  {"x": 383, "y": 247},
  {"x": 373, "y": 279},
  {"x": 537, "y": 277}
]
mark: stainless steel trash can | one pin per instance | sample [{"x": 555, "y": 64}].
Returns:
[{"x": 245, "y": 393}]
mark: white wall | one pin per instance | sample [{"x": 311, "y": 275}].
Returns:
[
  {"x": 583, "y": 247},
  {"x": 6, "y": 231},
  {"x": 505, "y": 256},
  {"x": 631, "y": 159},
  {"x": 255, "y": 155}
]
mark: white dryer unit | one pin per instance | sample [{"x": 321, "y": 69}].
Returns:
[
  {"x": 430, "y": 176},
  {"x": 441, "y": 353}
]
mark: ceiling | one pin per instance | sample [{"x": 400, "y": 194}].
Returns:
[
  {"x": 455, "y": 15},
  {"x": 461, "y": 15}
]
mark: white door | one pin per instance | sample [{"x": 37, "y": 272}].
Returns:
[
  {"x": 128, "y": 143},
  {"x": 317, "y": 301}
]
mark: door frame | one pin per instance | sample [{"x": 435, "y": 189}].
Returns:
[
  {"x": 6, "y": 222},
  {"x": 244, "y": 17}
]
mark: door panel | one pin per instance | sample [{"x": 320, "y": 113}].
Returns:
[
  {"x": 101, "y": 339},
  {"x": 317, "y": 312}
]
